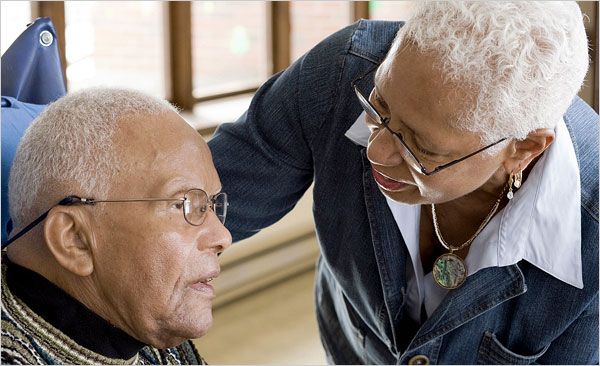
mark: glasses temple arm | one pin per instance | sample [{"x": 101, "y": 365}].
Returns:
[
  {"x": 464, "y": 157},
  {"x": 92, "y": 201},
  {"x": 27, "y": 228},
  {"x": 64, "y": 202}
]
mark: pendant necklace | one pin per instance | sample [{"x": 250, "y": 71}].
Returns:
[{"x": 449, "y": 270}]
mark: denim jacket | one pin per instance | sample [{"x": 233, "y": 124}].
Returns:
[{"x": 292, "y": 135}]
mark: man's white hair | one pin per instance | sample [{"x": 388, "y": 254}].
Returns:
[
  {"x": 526, "y": 60},
  {"x": 69, "y": 149}
]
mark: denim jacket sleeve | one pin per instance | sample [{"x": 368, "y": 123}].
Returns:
[
  {"x": 570, "y": 347},
  {"x": 265, "y": 158}
]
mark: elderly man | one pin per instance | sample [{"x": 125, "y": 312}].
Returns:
[
  {"x": 456, "y": 208},
  {"x": 120, "y": 213}
]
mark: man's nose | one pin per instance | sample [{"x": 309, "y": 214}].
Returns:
[
  {"x": 219, "y": 237},
  {"x": 383, "y": 149}
]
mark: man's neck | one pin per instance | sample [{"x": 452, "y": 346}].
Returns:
[{"x": 69, "y": 315}]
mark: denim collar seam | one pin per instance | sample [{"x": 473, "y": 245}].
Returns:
[
  {"x": 472, "y": 314},
  {"x": 518, "y": 289},
  {"x": 379, "y": 257},
  {"x": 374, "y": 60}
]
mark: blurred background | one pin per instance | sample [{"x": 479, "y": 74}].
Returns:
[{"x": 208, "y": 58}]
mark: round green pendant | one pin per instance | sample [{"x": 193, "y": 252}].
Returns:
[{"x": 449, "y": 271}]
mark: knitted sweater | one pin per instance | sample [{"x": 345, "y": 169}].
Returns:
[{"x": 28, "y": 339}]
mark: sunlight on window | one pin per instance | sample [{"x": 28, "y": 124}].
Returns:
[
  {"x": 312, "y": 21},
  {"x": 15, "y": 17},
  {"x": 116, "y": 44},
  {"x": 229, "y": 45},
  {"x": 391, "y": 10}
]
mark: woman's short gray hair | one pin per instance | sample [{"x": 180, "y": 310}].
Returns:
[
  {"x": 526, "y": 60},
  {"x": 68, "y": 149}
]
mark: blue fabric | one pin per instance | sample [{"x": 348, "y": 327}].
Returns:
[
  {"x": 293, "y": 135},
  {"x": 31, "y": 78},
  {"x": 31, "y": 72},
  {"x": 16, "y": 117}
]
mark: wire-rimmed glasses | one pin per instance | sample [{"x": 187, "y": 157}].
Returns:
[
  {"x": 195, "y": 203},
  {"x": 384, "y": 122}
]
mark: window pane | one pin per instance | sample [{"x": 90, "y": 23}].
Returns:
[
  {"x": 222, "y": 110},
  {"x": 229, "y": 45},
  {"x": 312, "y": 21},
  {"x": 116, "y": 44},
  {"x": 15, "y": 17},
  {"x": 390, "y": 10}
]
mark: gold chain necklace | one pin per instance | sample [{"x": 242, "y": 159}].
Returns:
[{"x": 449, "y": 270}]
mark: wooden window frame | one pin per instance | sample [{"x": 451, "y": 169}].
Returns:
[{"x": 178, "y": 19}]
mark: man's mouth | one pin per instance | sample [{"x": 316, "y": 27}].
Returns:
[
  {"x": 204, "y": 285},
  {"x": 387, "y": 183}
]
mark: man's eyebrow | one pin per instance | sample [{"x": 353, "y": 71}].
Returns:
[
  {"x": 179, "y": 186},
  {"x": 217, "y": 191}
]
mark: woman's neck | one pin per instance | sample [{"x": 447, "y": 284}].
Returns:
[{"x": 459, "y": 219}]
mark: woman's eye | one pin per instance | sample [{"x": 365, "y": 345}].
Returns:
[
  {"x": 372, "y": 127},
  {"x": 428, "y": 155}
]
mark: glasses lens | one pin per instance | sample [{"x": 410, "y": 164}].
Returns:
[
  {"x": 220, "y": 204},
  {"x": 198, "y": 205},
  {"x": 366, "y": 105},
  {"x": 371, "y": 112},
  {"x": 408, "y": 155}
]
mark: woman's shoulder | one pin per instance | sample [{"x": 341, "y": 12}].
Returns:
[{"x": 582, "y": 123}]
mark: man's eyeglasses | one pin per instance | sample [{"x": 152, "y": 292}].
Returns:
[
  {"x": 384, "y": 122},
  {"x": 194, "y": 205}
]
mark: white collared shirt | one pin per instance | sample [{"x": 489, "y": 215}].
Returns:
[{"x": 541, "y": 224}]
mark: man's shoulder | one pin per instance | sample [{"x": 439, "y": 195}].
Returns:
[
  {"x": 184, "y": 354},
  {"x": 17, "y": 347}
]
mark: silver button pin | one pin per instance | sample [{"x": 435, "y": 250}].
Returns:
[{"x": 46, "y": 38}]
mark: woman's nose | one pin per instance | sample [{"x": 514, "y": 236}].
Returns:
[{"x": 383, "y": 149}]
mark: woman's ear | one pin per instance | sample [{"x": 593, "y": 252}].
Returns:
[
  {"x": 69, "y": 238},
  {"x": 525, "y": 151}
]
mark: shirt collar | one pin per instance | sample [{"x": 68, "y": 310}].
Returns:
[
  {"x": 541, "y": 224},
  {"x": 68, "y": 315}
]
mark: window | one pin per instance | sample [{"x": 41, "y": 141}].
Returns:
[
  {"x": 390, "y": 10},
  {"x": 15, "y": 17},
  {"x": 229, "y": 46},
  {"x": 115, "y": 43},
  {"x": 206, "y": 56},
  {"x": 312, "y": 21}
]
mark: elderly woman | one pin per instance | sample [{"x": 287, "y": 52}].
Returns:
[
  {"x": 455, "y": 184},
  {"x": 118, "y": 271}
]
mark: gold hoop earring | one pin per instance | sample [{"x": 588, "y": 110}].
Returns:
[{"x": 514, "y": 180}]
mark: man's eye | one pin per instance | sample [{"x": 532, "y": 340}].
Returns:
[{"x": 178, "y": 205}]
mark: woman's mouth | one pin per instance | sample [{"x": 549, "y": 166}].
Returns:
[{"x": 387, "y": 183}]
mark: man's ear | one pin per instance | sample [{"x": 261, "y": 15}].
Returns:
[
  {"x": 68, "y": 237},
  {"x": 523, "y": 152}
]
